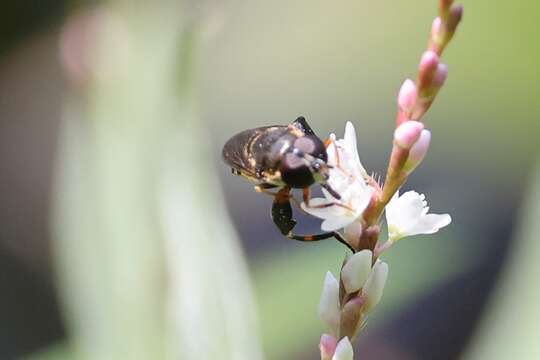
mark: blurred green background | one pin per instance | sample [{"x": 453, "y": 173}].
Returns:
[{"x": 261, "y": 63}]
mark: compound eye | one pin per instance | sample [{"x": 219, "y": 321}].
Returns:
[
  {"x": 305, "y": 144},
  {"x": 292, "y": 161},
  {"x": 312, "y": 145}
]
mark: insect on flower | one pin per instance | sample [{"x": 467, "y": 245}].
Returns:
[{"x": 283, "y": 157}]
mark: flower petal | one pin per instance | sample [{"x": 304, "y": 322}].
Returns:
[
  {"x": 402, "y": 212},
  {"x": 430, "y": 224},
  {"x": 361, "y": 198},
  {"x": 351, "y": 151},
  {"x": 412, "y": 205},
  {"x": 336, "y": 223},
  {"x": 322, "y": 212},
  {"x": 352, "y": 232},
  {"x": 331, "y": 151},
  {"x": 350, "y": 136}
]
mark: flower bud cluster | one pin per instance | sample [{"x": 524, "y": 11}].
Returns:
[
  {"x": 414, "y": 99},
  {"x": 411, "y": 140},
  {"x": 444, "y": 26},
  {"x": 344, "y": 306}
]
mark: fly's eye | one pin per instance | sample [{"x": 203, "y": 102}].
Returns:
[
  {"x": 291, "y": 161},
  {"x": 298, "y": 153},
  {"x": 305, "y": 144},
  {"x": 312, "y": 145}
]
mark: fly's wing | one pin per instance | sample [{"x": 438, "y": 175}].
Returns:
[
  {"x": 238, "y": 155},
  {"x": 251, "y": 152},
  {"x": 234, "y": 152}
]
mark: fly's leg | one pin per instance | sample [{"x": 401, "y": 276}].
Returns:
[
  {"x": 322, "y": 236},
  {"x": 306, "y": 197},
  {"x": 282, "y": 211},
  {"x": 282, "y": 217}
]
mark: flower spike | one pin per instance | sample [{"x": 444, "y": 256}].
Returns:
[{"x": 362, "y": 200}]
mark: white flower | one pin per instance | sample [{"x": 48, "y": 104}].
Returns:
[
  {"x": 407, "y": 215},
  {"x": 329, "y": 310},
  {"x": 344, "y": 350},
  {"x": 347, "y": 178}
]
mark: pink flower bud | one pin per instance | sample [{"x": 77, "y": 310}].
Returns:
[
  {"x": 444, "y": 5},
  {"x": 429, "y": 62},
  {"x": 454, "y": 17},
  {"x": 327, "y": 346},
  {"x": 440, "y": 76},
  {"x": 418, "y": 151},
  {"x": 436, "y": 27},
  {"x": 437, "y": 36},
  {"x": 426, "y": 70},
  {"x": 407, "y": 96},
  {"x": 407, "y": 134}
]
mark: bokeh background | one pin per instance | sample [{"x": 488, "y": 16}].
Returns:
[{"x": 449, "y": 296}]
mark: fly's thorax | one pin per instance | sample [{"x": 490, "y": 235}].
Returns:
[{"x": 269, "y": 149}]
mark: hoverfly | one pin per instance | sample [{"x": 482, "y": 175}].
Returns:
[{"x": 285, "y": 157}]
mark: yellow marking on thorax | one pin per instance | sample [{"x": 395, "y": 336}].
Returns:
[{"x": 295, "y": 131}]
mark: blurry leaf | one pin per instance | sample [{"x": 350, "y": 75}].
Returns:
[
  {"x": 54, "y": 352},
  {"x": 509, "y": 328},
  {"x": 148, "y": 264}
]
